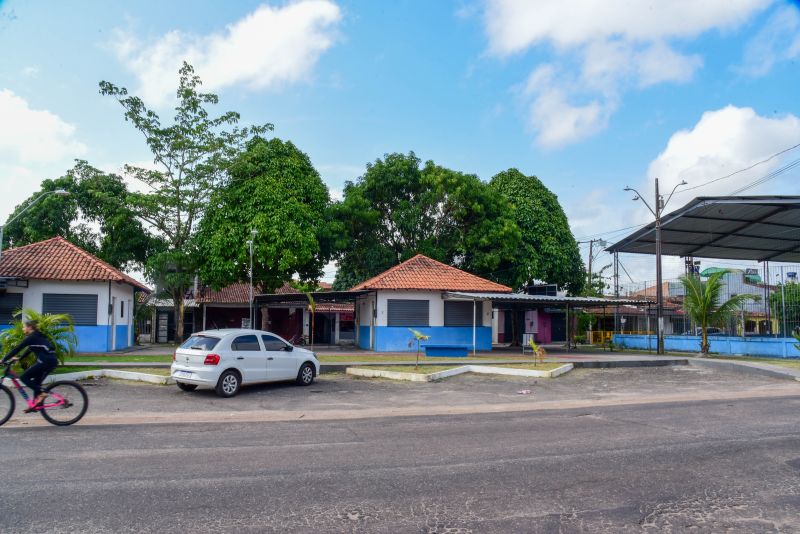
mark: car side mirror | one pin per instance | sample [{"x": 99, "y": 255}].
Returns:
[{"x": 289, "y": 348}]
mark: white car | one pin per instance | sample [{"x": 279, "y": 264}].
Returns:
[{"x": 226, "y": 359}]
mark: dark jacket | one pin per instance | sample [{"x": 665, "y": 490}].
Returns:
[{"x": 38, "y": 344}]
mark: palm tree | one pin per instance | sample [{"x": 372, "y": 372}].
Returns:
[
  {"x": 703, "y": 303},
  {"x": 58, "y": 328}
]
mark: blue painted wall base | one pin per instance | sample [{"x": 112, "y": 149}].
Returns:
[
  {"x": 400, "y": 339},
  {"x": 751, "y": 346},
  {"x": 97, "y": 338}
]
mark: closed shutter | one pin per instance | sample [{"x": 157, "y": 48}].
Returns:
[
  {"x": 458, "y": 313},
  {"x": 9, "y": 303},
  {"x": 408, "y": 312},
  {"x": 82, "y": 308}
]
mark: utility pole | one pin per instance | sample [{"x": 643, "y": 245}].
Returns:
[
  {"x": 250, "y": 244},
  {"x": 660, "y": 204},
  {"x": 783, "y": 304},
  {"x": 603, "y": 244},
  {"x": 616, "y": 290}
]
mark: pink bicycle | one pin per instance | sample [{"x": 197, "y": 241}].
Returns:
[{"x": 65, "y": 404}]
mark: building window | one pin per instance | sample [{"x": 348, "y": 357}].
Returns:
[
  {"x": 459, "y": 313},
  {"x": 122, "y": 309},
  {"x": 408, "y": 312},
  {"x": 9, "y": 303},
  {"x": 82, "y": 308}
]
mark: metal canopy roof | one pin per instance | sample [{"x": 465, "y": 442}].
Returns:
[
  {"x": 760, "y": 228},
  {"x": 319, "y": 296},
  {"x": 524, "y": 298}
]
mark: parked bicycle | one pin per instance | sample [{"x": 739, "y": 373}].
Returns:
[{"x": 66, "y": 402}]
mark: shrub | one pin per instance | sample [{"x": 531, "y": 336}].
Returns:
[{"x": 58, "y": 328}]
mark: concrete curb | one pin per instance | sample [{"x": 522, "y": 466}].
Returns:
[
  {"x": 111, "y": 373},
  {"x": 480, "y": 369},
  {"x": 748, "y": 368}
]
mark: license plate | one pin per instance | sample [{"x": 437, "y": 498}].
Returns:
[{"x": 183, "y": 374}]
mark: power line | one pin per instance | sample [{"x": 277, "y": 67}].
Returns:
[
  {"x": 775, "y": 155},
  {"x": 768, "y": 177}
]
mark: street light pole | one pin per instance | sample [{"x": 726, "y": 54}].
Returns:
[
  {"x": 659, "y": 206},
  {"x": 783, "y": 304},
  {"x": 59, "y": 192},
  {"x": 250, "y": 244}
]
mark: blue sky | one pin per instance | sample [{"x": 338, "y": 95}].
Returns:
[{"x": 589, "y": 96}]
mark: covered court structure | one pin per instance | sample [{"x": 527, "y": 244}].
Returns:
[{"x": 746, "y": 228}]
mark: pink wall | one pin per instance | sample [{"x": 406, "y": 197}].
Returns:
[{"x": 544, "y": 335}]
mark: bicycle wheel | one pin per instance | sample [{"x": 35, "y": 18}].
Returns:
[
  {"x": 65, "y": 404},
  {"x": 6, "y": 404}
]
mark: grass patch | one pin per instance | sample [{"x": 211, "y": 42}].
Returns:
[
  {"x": 791, "y": 364},
  {"x": 126, "y": 358}
]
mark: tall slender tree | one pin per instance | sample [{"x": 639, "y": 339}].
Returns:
[
  {"x": 191, "y": 157},
  {"x": 703, "y": 303}
]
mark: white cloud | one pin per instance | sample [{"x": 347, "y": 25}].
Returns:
[
  {"x": 269, "y": 48},
  {"x": 515, "y": 25},
  {"x": 724, "y": 141},
  {"x": 33, "y": 135},
  {"x": 778, "y": 40},
  {"x": 601, "y": 50},
  {"x": 721, "y": 142},
  {"x": 555, "y": 120},
  {"x": 34, "y": 144}
]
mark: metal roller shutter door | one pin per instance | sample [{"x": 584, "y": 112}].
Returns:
[
  {"x": 408, "y": 312},
  {"x": 458, "y": 313},
  {"x": 82, "y": 308},
  {"x": 9, "y": 303}
]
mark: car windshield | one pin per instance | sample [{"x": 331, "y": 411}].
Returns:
[{"x": 200, "y": 343}]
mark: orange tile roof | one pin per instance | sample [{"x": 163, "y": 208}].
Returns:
[
  {"x": 239, "y": 293},
  {"x": 58, "y": 259},
  {"x": 424, "y": 273}
]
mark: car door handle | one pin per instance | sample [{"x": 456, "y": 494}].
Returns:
[
  {"x": 270, "y": 358},
  {"x": 240, "y": 357}
]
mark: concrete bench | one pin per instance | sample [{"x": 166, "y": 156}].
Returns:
[{"x": 452, "y": 351}]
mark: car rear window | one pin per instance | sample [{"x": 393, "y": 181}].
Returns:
[{"x": 200, "y": 343}]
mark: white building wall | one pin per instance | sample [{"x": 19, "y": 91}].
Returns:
[
  {"x": 436, "y": 309},
  {"x": 32, "y": 296}
]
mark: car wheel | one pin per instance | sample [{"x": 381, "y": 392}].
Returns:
[
  {"x": 305, "y": 377},
  {"x": 186, "y": 387},
  {"x": 228, "y": 384}
]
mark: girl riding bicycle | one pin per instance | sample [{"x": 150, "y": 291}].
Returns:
[{"x": 46, "y": 360}]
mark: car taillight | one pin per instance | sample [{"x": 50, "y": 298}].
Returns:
[
  {"x": 174, "y": 355},
  {"x": 211, "y": 359}
]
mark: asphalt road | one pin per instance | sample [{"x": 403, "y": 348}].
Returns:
[{"x": 706, "y": 466}]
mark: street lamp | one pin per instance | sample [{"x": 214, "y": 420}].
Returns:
[
  {"x": 250, "y": 245},
  {"x": 660, "y": 205},
  {"x": 59, "y": 192}
]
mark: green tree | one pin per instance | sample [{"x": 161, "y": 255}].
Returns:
[
  {"x": 192, "y": 156},
  {"x": 788, "y": 300},
  {"x": 598, "y": 284},
  {"x": 274, "y": 190},
  {"x": 548, "y": 251},
  {"x": 400, "y": 208},
  {"x": 703, "y": 303},
  {"x": 58, "y": 328},
  {"x": 93, "y": 216}
]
